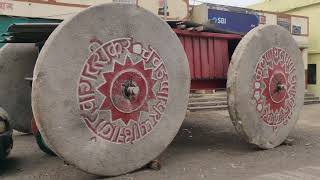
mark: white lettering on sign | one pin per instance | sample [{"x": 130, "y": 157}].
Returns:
[
  {"x": 222, "y": 21},
  {"x": 219, "y": 20}
]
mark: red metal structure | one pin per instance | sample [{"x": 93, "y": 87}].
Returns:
[
  {"x": 208, "y": 53},
  {"x": 209, "y": 57}
]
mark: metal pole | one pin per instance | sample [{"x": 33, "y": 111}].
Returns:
[{"x": 165, "y": 9}]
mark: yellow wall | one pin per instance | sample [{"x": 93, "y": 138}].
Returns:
[
  {"x": 310, "y": 8},
  {"x": 282, "y": 5},
  {"x": 313, "y": 12},
  {"x": 315, "y": 59}
]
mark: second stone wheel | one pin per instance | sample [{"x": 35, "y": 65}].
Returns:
[
  {"x": 16, "y": 63},
  {"x": 266, "y": 86},
  {"x": 111, "y": 88}
]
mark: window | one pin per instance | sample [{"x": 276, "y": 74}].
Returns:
[{"x": 312, "y": 74}]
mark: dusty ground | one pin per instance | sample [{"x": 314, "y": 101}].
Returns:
[{"x": 206, "y": 147}]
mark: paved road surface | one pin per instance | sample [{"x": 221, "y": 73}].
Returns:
[{"x": 206, "y": 147}]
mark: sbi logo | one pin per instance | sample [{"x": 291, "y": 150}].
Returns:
[{"x": 219, "y": 20}]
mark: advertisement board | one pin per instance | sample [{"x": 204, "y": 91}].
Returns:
[{"x": 233, "y": 21}]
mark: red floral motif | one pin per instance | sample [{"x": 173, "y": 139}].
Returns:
[
  {"x": 274, "y": 87},
  {"x": 122, "y": 105}
]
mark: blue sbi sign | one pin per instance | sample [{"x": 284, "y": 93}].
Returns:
[{"x": 233, "y": 21}]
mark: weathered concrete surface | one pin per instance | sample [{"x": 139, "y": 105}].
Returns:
[
  {"x": 207, "y": 147},
  {"x": 16, "y": 63},
  {"x": 266, "y": 86},
  {"x": 111, "y": 88}
]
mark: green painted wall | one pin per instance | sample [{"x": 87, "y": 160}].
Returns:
[
  {"x": 6, "y": 21},
  {"x": 311, "y": 9}
]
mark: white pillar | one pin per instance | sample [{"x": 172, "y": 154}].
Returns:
[
  {"x": 305, "y": 58},
  {"x": 304, "y": 52}
]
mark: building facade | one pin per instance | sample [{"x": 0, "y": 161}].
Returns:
[
  {"x": 242, "y": 20},
  {"x": 53, "y": 11},
  {"x": 61, "y": 9},
  {"x": 311, "y": 9}
]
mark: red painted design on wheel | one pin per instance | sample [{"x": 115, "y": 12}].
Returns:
[
  {"x": 127, "y": 90},
  {"x": 123, "y": 90},
  {"x": 274, "y": 87}
]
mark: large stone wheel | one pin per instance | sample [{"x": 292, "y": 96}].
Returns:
[
  {"x": 111, "y": 89},
  {"x": 16, "y": 63},
  {"x": 266, "y": 86}
]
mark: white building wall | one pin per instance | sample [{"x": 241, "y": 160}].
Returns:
[{"x": 61, "y": 9}]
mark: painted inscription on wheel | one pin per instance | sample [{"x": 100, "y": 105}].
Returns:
[
  {"x": 123, "y": 90},
  {"x": 274, "y": 87}
]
